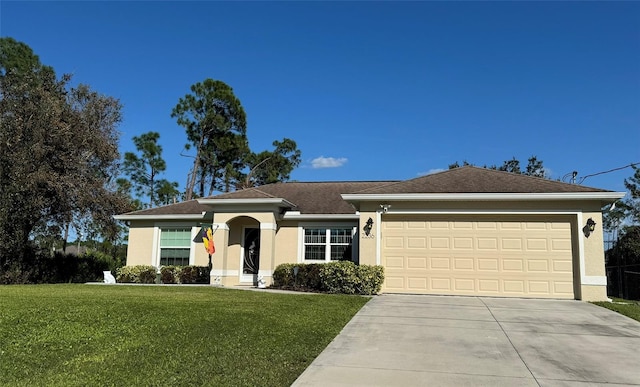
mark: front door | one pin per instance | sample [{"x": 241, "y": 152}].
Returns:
[{"x": 251, "y": 256}]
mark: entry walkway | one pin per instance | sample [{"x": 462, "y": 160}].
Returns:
[{"x": 405, "y": 340}]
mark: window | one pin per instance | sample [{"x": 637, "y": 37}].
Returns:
[
  {"x": 175, "y": 246},
  {"x": 328, "y": 244}
]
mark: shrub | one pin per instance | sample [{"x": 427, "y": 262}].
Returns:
[
  {"x": 15, "y": 275},
  {"x": 204, "y": 275},
  {"x": 170, "y": 274},
  {"x": 283, "y": 275},
  {"x": 194, "y": 275},
  {"x": 371, "y": 279},
  {"x": 141, "y": 274},
  {"x": 334, "y": 277},
  {"x": 340, "y": 277}
]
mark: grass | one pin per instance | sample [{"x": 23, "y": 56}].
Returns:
[
  {"x": 79, "y": 335},
  {"x": 626, "y": 307}
]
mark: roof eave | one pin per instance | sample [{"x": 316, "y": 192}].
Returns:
[
  {"x": 410, "y": 197},
  {"x": 296, "y": 215},
  {"x": 160, "y": 217}
]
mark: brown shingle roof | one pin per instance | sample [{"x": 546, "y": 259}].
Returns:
[
  {"x": 184, "y": 208},
  {"x": 470, "y": 179},
  {"x": 324, "y": 197},
  {"x": 308, "y": 198}
]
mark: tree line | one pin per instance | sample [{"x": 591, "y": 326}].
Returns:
[
  {"x": 216, "y": 127},
  {"x": 60, "y": 165}
]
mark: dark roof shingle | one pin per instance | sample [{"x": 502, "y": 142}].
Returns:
[
  {"x": 470, "y": 179},
  {"x": 308, "y": 198}
]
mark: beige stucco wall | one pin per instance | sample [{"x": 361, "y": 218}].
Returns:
[
  {"x": 593, "y": 293},
  {"x": 139, "y": 250},
  {"x": 367, "y": 244},
  {"x": 287, "y": 238},
  {"x": 593, "y": 245}
]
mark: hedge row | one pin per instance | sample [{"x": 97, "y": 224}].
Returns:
[
  {"x": 144, "y": 274},
  {"x": 334, "y": 277},
  {"x": 60, "y": 268}
]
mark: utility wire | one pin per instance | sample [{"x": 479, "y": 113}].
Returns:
[{"x": 602, "y": 173}]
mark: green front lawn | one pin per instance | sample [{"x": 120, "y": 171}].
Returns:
[
  {"x": 625, "y": 307},
  {"x": 80, "y": 335}
]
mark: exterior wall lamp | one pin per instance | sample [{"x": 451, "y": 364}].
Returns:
[
  {"x": 367, "y": 227},
  {"x": 589, "y": 227}
]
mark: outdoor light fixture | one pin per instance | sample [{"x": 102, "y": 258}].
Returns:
[
  {"x": 367, "y": 227},
  {"x": 589, "y": 227}
]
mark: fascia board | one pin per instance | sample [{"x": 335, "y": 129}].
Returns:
[
  {"x": 299, "y": 216},
  {"x": 485, "y": 196},
  {"x": 160, "y": 217}
]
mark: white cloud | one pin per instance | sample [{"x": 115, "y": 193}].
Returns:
[
  {"x": 431, "y": 171},
  {"x": 328, "y": 162}
]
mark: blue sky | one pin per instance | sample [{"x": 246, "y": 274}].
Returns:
[{"x": 368, "y": 90}]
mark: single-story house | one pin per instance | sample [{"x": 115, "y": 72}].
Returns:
[{"x": 464, "y": 231}]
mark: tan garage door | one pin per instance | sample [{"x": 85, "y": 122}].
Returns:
[{"x": 493, "y": 256}]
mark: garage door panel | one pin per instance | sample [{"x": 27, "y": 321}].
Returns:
[
  {"x": 560, "y": 244},
  {"x": 488, "y": 264},
  {"x": 563, "y": 287},
  {"x": 536, "y": 244},
  {"x": 538, "y": 265},
  {"x": 539, "y": 287},
  {"x": 462, "y": 243},
  {"x": 531, "y": 226},
  {"x": 511, "y": 244},
  {"x": 528, "y": 258},
  {"x": 417, "y": 242},
  {"x": 487, "y": 226},
  {"x": 394, "y": 282},
  {"x": 394, "y": 242},
  {"x": 438, "y": 225},
  {"x": 485, "y": 243},
  {"x": 417, "y": 283},
  {"x": 562, "y": 266},
  {"x": 417, "y": 263},
  {"x": 439, "y": 243},
  {"x": 395, "y": 262},
  {"x": 510, "y": 225},
  {"x": 440, "y": 263},
  {"x": 461, "y": 225},
  {"x": 513, "y": 265},
  {"x": 440, "y": 284},
  {"x": 489, "y": 286},
  {"x": 463, "y": 264},
  {"x": 465, "y": 285}
]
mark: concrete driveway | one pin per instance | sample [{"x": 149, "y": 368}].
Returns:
[{"x": 406, "y": 340}]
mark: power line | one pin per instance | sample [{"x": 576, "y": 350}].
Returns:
[{"x": 598, "y": 173}]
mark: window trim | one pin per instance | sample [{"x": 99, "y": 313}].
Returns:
[
  {"x": 157, "y": 228},
  {"x": 327, "y": 226}
]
